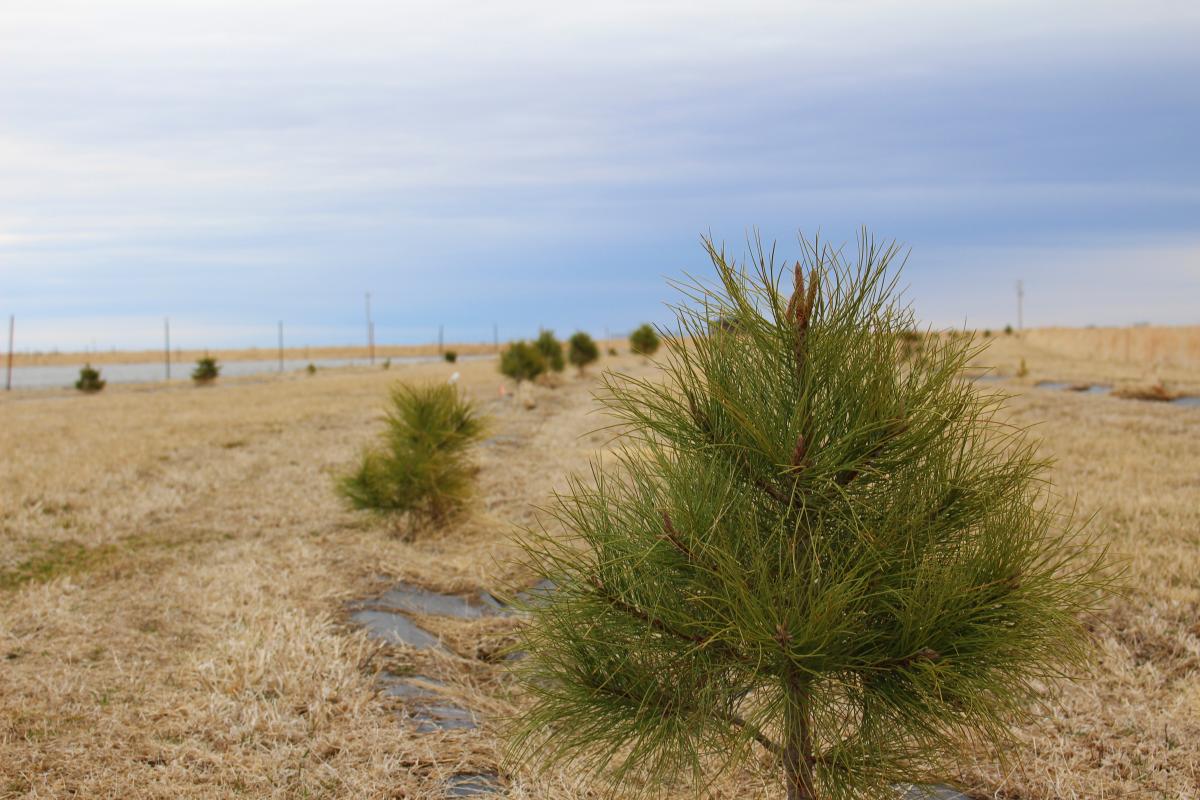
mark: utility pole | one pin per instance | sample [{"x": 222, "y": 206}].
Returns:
[
  {"x": 370, "y": 332},
  {"x": 1020, "y": 306},
  {"x": 12, "y": 321},
  {"x": 440, "y": 339},
  {"x": 167, "y": 344},
  {"x": 281, "y": 345}
]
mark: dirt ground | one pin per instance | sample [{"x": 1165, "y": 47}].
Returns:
[{"x": 174, "y": 570}]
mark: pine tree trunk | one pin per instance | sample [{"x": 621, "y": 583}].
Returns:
[{"x": 798, "y": 755}]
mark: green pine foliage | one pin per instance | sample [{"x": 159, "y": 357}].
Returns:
[
  {"x": 551, "y": 350},
  {"x": 582, "y": 350},
  {"x": 522, "y": 361},
  {"x": 422, "y": 465},
  {"x": 311, "y": 369},
  {"x": 644, "y": 341},
  {"x": 89, "y": 380},
  {"x": 451, "y": 356},
  {"x": 206, "y": 371},
  {"x": 809, "y": 553}
]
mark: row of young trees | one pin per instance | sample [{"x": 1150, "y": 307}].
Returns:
[
  {"x": 818, "y": 548},
  {"x": 524, "y": 361},
  {"x": 206, "y": 371}
]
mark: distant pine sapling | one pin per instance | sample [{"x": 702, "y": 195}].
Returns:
[
  {"x": 450, "y": 356},
  {"x": 522, "y": 361},
  {"x": 644, "y": 341},
  {"x": 89, "y": 380},
  {"x": 551, "y": 350},
  {"x": 422, "y": 466},
  {"x": 206, "y": 371},
  {"x": 807, "y": 546},
  {"x": 582, "y": 350}
]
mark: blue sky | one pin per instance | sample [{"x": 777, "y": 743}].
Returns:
[{"x": 233, "y": 164}]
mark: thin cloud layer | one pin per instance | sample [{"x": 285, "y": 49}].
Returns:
[{"x": 539, "y": 164}]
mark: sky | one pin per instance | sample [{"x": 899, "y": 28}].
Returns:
[{"x": 550, "y": 164}]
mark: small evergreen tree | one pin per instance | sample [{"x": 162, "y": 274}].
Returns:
[
  {"x": 612, "y": 351},
  {"x": 1008, "y": 329},
  {"x": 311, "y": 369},
  {"x": 451, "y": 356},
  {"x": 522, "y": 361},
  {"x": 582, "y": 350},
  {"x": 206, "y": 371},
  {"x": 387, "y": 363},
  {"x": 644, "y": 341},
  {"x": 551, "y": 350},
  {"x": 807, "y": 545},
  {"x": 89, "y": 380},
  {"x": 422, "y": 466}
]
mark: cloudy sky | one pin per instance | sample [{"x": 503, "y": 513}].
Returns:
[{"x": 231, "y": 164}]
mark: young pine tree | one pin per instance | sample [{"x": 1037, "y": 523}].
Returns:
[
  {"x": 522, "y": 361},
  {"x": 206, "y": 371},
  {"x": 644, "y": 341},
  {"x": 808, "y": 546},
  {"x": 551, "y": 350},
  {"x": 89, "y": 380},
  {"x": 582, "y": 350},
  {"x": 422, "y": 466}
]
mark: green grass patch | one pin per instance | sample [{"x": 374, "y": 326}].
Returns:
[{"x": 55, "y": 560}]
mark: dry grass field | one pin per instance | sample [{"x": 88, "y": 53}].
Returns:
[
  {"x": 174, "y": 570},
  {"x": 1119, "y": 356}
]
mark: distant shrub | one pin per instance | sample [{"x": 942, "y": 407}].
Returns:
[
  {"x": 387, "y": 363},
  {"x": 612, "y": 351},
  {"x": 421, "y": 467},
  {"x": 644, "y": 341},
  {"x": 1008, "y": 330},
  {"x": 206, "y": 371},
  {"x": 1022, "y": 370},
  {"x": 450, "y": 356},
  {"x": 551, "y": 349},
  {"x": 987, "y": 334},
  {"x": 582, "y": 350},
  {"x": 522, "y": 361},
  {"x": 89, "y": 380},
  {"x": 311, "y": 369}
]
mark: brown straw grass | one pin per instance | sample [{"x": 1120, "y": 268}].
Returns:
[{"x": 174, "y": 569}]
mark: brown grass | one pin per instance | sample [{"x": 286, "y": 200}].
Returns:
[
  {"x": 174, "y": 566},
  {"x": 1095, "y": 355},
  {"x": 1159, "y": 347}
]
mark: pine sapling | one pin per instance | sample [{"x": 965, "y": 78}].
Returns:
[
  {"x": 582, "y": 350},
  {"x": 808, "y": 546},
  {"x": 422, "y": 465},
  {"x": 644, "y": 341},
  {"x": 89, "y": 380},
  {"x": 206, "y": 371},
  {"x": 551, "y": 350},
  {"x": 522, "y": 361}
]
